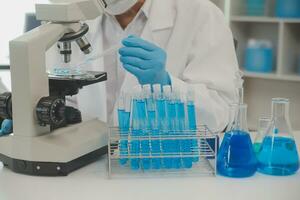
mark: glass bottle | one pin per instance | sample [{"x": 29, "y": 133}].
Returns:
[
  {"x": 263, "y": 124},
  {"x": 278, "y": 154},
  {"x": 236, "y": 157}
]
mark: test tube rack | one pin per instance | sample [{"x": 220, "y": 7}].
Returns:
[{"x": 120, "y": 159}]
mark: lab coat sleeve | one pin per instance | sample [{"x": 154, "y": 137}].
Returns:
[{"x": 211, "y": 71}]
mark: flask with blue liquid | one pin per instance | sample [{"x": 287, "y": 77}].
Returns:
[
  {"x": 278, "y": 153},
  {"x": 236, "y": 157}
]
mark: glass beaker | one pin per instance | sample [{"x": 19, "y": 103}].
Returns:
[
  {"x": 278, "y": 154},
  {"x": 263, "y": 124},
  {"x": 236, "y": 157}
]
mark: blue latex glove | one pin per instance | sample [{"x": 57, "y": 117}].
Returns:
[
  {"x": 6, "y": 127},
  {"x": 145, "y": 61}
]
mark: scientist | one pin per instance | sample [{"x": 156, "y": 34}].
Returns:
[{"x": 184, "y": 43}]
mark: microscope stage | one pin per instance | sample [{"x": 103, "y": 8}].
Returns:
[{"x": 69, "y": 85}]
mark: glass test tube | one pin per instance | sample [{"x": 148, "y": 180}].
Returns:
[
  {"x": 124, "y": 123},
  {"x": 161, "y": 117},
  {"x": 192, "y": 122},
  {"x": 136, "y": 132},
  {"x": 144, "y": 127},
  {"x": 153, "y": 127}
]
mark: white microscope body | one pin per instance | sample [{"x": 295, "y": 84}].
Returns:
[{"x": 34, "y": 149}]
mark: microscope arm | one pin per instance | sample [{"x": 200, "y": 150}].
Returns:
[
  {"x": 28, "y": 75},
  {"x": 70, "y": 10}
]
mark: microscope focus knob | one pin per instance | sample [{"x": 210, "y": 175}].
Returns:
[
  {"x": 51, "y": 111},
  {"x": 73, "y": 115},
  {"x": 6, "y": 105}
]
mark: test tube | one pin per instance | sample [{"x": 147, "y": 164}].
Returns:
[
  {"x": 173, "y": 103},
  {"x": 144, "y": 127},
  {"x": 135, "y": 133},
  {"x": 168, "y": 145},
  {"x": 153, "y": 127},
  {"x": 124, "y": 120},
  {"x": 191, "y": 145},
  {"x": 185, "y": 144},
  {"x": 179, "y": 127},
  {"x": 161, "y": 117}
]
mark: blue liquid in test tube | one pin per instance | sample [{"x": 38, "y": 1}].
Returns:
[
  {"x": 153, "y": 127},
  {"x": 180, "y": 113},
  {"x": 145, "y": 143},
  {"x": 160, "y": 103},
  {"x": 124, "y": 123},
  {"x": 173, "y": 143},
  {"x": 135, "y": 143},
  {"x": 123, "y": 143}
]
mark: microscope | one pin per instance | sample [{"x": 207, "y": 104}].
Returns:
[{"x": 49, "y": 137}]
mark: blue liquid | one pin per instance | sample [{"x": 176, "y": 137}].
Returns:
[
  {"x": 143, "y": 127},
  {"x": 193, "y": 126},
  {"x": 192, "y": 116},
  {"x": 186, "y": 151},
  {"x": 124, "y": 122},
  {"x": 236, "y": 157},
  {"x": 184, "y": 145},
  {"x": 163, "y": 127},
  {"x": 278, "y": 156},
  {"x": 180, "y": 116},
  {"x": 151, "y": 119},
  {"x": 135, "y": 144},
  {"x": 173, "y": 144},
  {"x": 161, "y": 114},
  {"x": 155, "y": 144}
]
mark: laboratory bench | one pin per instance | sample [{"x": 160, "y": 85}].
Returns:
[{"x": 91, "y": 182}]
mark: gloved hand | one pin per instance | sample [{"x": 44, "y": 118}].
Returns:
[
  {"x": 6, "y": 127},
  {"x": 145, "y": 61}
]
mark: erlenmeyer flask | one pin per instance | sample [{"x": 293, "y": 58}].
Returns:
[
  {"x": 263, "y": 124},
  {"x": 278, "y": 154},
  {"x": 236, "y": 157}
]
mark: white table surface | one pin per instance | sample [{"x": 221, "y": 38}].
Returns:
[{"x": 91, "y": 182}]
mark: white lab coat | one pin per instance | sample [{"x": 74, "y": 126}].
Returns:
[{"x": 201, "y": 56}]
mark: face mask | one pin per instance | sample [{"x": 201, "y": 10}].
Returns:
[{"x": 117, "y": 7}]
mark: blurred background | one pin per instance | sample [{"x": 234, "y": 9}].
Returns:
[{"x": 268, "y": 37}]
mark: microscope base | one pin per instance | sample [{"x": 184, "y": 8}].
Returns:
[
  {"x": 58, "y": 153},
  {"x": 51, "y": 168}
]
